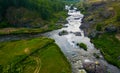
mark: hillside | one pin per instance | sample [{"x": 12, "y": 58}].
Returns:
[
  {"x": 31, "y": 14},
  {"x": 102, "y": 24},
  {"x": 28, "y": 51}
]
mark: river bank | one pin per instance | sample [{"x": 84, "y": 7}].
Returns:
[
  {"x": 80, "y": 59},
  {"x": 101, "y": 23}
]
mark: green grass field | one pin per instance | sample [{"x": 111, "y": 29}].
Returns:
[
  {"x": 38, "y": 55},
  {"x": 110, "y": 48}
]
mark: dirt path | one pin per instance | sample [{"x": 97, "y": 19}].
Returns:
[{"x": 38, "y": 67}]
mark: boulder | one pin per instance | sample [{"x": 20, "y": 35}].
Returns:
[
  {"x": 64, "y": 32},
  {"x": 111, "y": 28},
  {"x": 94, "y": 67},
  {"x": 77, "y": 33},
  {"x": 93, "y": 34},
  {"x": 105, "y": 14}
]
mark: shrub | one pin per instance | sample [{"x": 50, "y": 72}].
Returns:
[
  {"x": 118, "y": 18},
  {"x": 82, "y": 45},
  {"x": 1, "y": 68},
  {"x": 98, "y": 27},
  {"x": 3, "y": 24}
]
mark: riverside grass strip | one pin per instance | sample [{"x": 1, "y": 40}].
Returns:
[{"x": 18, "y": 56}]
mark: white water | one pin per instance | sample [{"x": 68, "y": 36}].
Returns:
[{"x": 67, "y": 43}]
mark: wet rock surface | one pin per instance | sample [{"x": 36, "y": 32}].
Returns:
[
  {"x": 92, "y": 67},
  {"x": 93, "y": 34},
  {"x": 77, "y": 33},
  {"x": 64, "y": 32},
  {"x": 106, "y": 14},
  {"x": 111, "y": 28}
]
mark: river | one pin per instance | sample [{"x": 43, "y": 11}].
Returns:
[{"x": 78, "y": 57}]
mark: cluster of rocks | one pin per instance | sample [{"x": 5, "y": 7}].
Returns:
[
  {"x": 77, "y": 63},
  {"x": 87, "y": 66},
  {"x": 77, "y": 33},
  {"x": 106, "y": 14},
  {"x": 95, "y": 33},
  {"x": 111, "y": 28},
  {"x": 94, "y": 67},
  {"x": 64, "y": 32}
]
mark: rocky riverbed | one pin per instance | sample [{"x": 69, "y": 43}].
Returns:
[{"x": 82, "y": 61}]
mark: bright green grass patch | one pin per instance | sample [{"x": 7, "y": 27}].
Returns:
[
  {"x": 82, "y": 45},
  {"x": 53, "y": 61},
  {"x": 33, "y": 55},
  {"x": 110, "y": 48},
  {"x": 12, "y": 49}
]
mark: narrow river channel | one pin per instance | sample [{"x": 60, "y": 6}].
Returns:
[{"x": 78, "y": 57}]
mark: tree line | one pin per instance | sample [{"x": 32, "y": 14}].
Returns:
[{"x": 45, "y": 8}]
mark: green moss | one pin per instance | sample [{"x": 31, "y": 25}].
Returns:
[
  {"x": 82, "y": 45},
  {"x": 99, "y": 27},
  {"x": 4, "y": 24}
]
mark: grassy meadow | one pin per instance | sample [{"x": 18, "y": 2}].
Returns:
[
  {"x": 110, "y": 48},
  {"x": 38, "y": 55}
]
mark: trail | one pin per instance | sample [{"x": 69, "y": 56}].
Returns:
[{"x": 38, "y": 67}]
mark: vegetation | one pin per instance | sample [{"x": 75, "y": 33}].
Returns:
[
  {"x": 71, "y": 1},
  {"x": 82, "y": 45},
  {"x": 99, "y": 27},
  {"x": 33, "y": 56},
  {"x": 102, "y": 15},
  {"x": 45, "y": 8},
  {"x": 17, "y": 31},
  {"x": 43, "y": 14},
  {"x": 63, "y": 32},
  {"x": 109, "y": 46}
]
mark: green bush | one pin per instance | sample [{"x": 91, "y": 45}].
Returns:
[
  {"x": 82, "y": 45},
  {"x": 45, "y": 8},
  {"x": 110, "y": 52},
  {"x": 3, "y": 24},
  {"x": 1, "y": 68},
  {"x": 118, "y": 18},
  {"x": 99, "y": 27}
]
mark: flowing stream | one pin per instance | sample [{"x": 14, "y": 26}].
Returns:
[{"x": 77, "y": 56}]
